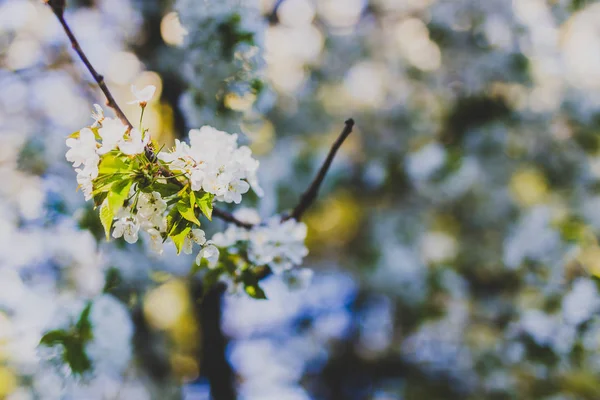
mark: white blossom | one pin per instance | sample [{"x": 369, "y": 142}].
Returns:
[
  {"x": 280, "y": 245},
  {"x": 128, "y": 228},
  {"x": 84, "y": 181},
  {"x": 142, "y": 97},
  {"x": 213, "y": 163},
  {"x": 194, "y": 236},
  {"x": 150, "y": 204},
  {"x": 156, "y": 240},
  {"x": 111, "y": 132},
  {"x": 98, "y": 116},
  {"x": 134, "y": 143},
  {"x": 234, "y": 191},
  {"x": 211, "y": 253},
  {"x": 82, "y": 149}
]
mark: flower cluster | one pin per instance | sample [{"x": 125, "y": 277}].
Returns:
[
  {"x": 85, "y": 151},
  {"x": 165, "y": 197},
  {"x": 214, "y": 163},
  {"x": 276, "y": 243}
]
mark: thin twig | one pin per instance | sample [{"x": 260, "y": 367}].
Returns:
[
  {"x": 307, "y": 198},
  {"x": 110, "y": 100},
  {"x": 273, "y": 18},
  {"x": 228, "y": 217},
  {"x": 311, "y": 193}
]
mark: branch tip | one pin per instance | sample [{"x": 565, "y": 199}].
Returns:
[{"x": 311, "y": 193}]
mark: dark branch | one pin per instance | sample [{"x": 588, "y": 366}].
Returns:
[
  {"x": 228, "y": 217},
  {"x": 213, "y": 356},
  {"x": 311, "y": 193},
  {"x": 273, "y": 17}
]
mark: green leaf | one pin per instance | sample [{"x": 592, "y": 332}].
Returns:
[
  {"x": 75, "y": 356},
  {"x": 177, "y": 228},
  {"x": 84, "y": 326},
  {"x": 118, "y": 194},
  {"x": 173, "y": 219},
  {"x": 255, "y": 292},
  {"x": 73, "y": 349},
  {"x": 106, "y": 217},
  {"x": 179, "y": 238},
  {"x": 99, "y": 198},
  {"x": 54, "y": 337},
  {"x": 112, "y": 280},
  {"x": 192, "y": 199},
  {"x": 187, "y": 212},
  {"x": 103, "y": 183},
  {"x": 112, "y": 162},
  {"x": 251, "y": 285},
  {"x": 205, "y": 203},
  {"x": 73, "y": 342},
  {"x": 165, "y": 189}
]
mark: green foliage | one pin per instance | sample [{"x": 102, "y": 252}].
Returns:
[
  {"x": 186, "y": 208},
  {"x": 112, "y": 280},
  {"x": 205, "y": 203},
  {"x": 251, "y": 286},
  {"x": 232, "y": 35},
  {"x": 106, "y": 217},
  {"x": 118, "y": 194},
  {"x": 73, "y": 342}
]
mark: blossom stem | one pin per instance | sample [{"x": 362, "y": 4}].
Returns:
[{"x": 142, "y": 120}]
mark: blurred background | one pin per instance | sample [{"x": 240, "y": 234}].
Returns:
[{"x": 454, "y": 243}]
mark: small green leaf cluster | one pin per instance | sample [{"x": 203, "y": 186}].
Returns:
[{"x": 73, "y": 342}]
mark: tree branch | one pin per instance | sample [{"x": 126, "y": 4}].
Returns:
[
  {"x": 272, "y": 17},
  {"x": 58, "y": 7},
  {"x": 311, "y": 193},
  {"x": 228, "y": 217},
  {"x": 213, "y": 358}
]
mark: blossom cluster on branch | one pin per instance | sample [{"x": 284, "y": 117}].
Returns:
[
  {"x": 162, "y": 197},
  {"x": 166, "y": 195}
]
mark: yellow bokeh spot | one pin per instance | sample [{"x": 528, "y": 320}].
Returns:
[
  {"x": 236, "y": 102},
  {"x": 171, "y": 30},
  {"x": 164, "y": 305},
  {"x": 334, "y": 223},
  {"x": 160, "y": 276},
  {"x": 589, "y": 253},
  {"x": 261, "y": 133},
  {"x": 528, "y": 187},
  {"x": 185, "y": 367},
  {"x": 185, "y": 333},
  {"x": 8, "y": 382}
]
